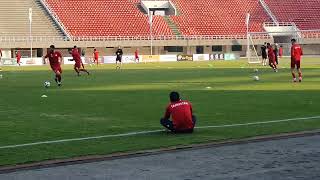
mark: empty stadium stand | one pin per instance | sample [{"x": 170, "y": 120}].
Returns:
[
  {"x": 305, "y": 14},
  {"x": 123, "y": 18},
  {"x": 14, "y": 19},
  {"x": 105, "y": 18}
]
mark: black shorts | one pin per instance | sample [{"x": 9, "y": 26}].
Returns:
[
  {"x": 264, "y": 56},
  {"x": 119, "y": 59}
]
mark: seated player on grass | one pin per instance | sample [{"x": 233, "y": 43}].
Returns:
[{"x": 180, "y": 111}]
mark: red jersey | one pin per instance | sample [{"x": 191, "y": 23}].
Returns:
[
  {"x": 54, "y": 58},
  {"x": 76, "y": 55},
  {"x": 296, "y": 52},
  {"x": 280, "y": 51},
  {"x": 181, "y": 113},
  {"x": 271, "y": 54},
  {"x": 136, "y": 54},
  {"x": 18, "y": 55},
  {"x": 96, "y": 55}
]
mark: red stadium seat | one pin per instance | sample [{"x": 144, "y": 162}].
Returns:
[
  {"x": 205, "y": 17},
  {"x": 305, "y": 14}
]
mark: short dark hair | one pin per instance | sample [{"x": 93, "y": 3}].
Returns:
[
  {"x": 293, "y": 40},
  {"x": 52, "y": 46},
  {"x": 74, "y": 46},
  {"x": 174, "y": 96},
  {"x": 268, "y": 44}
]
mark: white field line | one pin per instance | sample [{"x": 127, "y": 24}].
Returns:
[{"x": 153, "y": 131}]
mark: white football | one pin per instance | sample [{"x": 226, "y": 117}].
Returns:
[
  {"x": 256, "y": 78},
  {"x": 46, "y": 84}
]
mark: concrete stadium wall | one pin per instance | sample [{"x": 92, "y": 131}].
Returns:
[
  {"x": 107, "y": 48},
  {"x": 123, "y": 43}
]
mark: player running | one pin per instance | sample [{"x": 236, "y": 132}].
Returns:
[
  {"x": 296, "y": 53},
  {"x": 119, "y": 54},
  {"x": 55, "y": 60},
  {"x": 272, "y": 58},
  {"x": 78, "y": 66}
]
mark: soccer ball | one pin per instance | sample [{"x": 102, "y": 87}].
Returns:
[
  {"x": 46, "y": 84},
  {"x": 256, "y": 78}
]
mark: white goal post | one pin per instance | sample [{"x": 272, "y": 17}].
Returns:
[{"x": 252, "y": 53}]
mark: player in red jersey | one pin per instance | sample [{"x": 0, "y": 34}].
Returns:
[
  {"x": 136, "y": 56},
  {"x": 96, "y": 56},
  {"x": 296, "y": 53},
  {"x": 78, "y": 66},
  {"x": 0, "y": 55},
  {"x": 55, "y": 60},
  {"x": 183, "y": 120},
  {"x": 18, "y": 57},
  {"x": 280, "y": 51},
  {"x": 272, "y": 58}
]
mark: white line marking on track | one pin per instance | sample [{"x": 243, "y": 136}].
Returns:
[{"x": 152, "y": 131}]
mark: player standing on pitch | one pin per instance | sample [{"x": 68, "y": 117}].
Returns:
[
  {"x": 276, "y": 53},
  {"x": 264, "y": 54},
  {"x": 272, "y": 58},
  {"x": 296, "y": 53},
  {"x": 0, "y": 55},
  {"x": 78, "y": 62},
  {"x": 136, "y": 56},
  {"x": 119, "y": 54},
  {"x": 55, "y": 60},
  {"x": 96, "y": 56},
  {"x": 18, "y": 57},
  {"x": 280, "y": 52}
]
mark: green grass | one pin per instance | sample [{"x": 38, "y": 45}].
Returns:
[{"x": 113, "y": 102}]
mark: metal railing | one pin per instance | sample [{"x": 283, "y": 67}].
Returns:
[
  {"x": 254, "y": 35},
  {"x": 55, "y": 17},
  {"x": 307, "y": 34},
  {"x": 14, "y": 38},
  {"x": 273, "y": 24},
  {"x": 156, "y": 37}
]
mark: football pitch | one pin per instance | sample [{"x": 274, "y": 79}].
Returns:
[{"x": 114, "y": 102}]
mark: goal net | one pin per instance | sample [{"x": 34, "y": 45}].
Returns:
[{"x": 252, "y": 51}]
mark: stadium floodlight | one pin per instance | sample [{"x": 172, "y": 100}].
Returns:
[
  {"x": 248, "y": 41},
  {"x": 30, "y": 30},
  {"x": 151, "y": 37}
]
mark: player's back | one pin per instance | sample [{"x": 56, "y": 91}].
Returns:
[
  {"x": 96, "y": 54},
  {"x": 76, "y": 55},
  {"x": 263, "y": 49},
  {"x": 181, "y": 113}
]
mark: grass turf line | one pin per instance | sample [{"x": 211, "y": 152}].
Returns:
[{"x": 112, "y": 102}]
